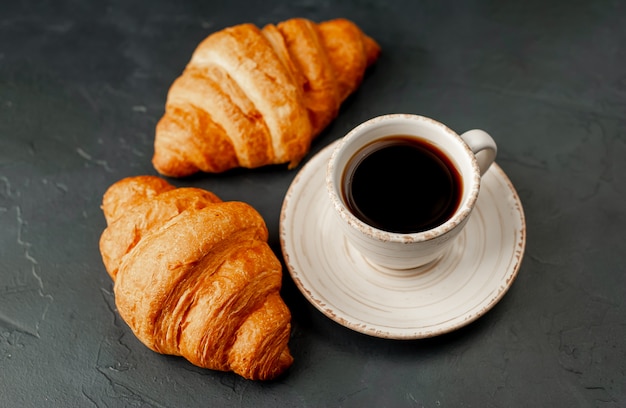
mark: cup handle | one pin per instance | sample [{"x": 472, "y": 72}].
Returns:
[{"x": 483, "y": 146}]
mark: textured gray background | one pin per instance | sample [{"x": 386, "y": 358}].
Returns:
[{"x": 82, "y": 85}]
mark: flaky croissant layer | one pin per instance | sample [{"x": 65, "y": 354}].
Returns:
[
  {"x": 195, "y": 277},
  {"x": 250, "y": 97}
]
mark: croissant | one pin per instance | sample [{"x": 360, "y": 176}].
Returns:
[
  {"x": 251, "y": 97},
  {"x": 194, "y": 276}
]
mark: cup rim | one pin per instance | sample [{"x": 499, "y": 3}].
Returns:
[{"x": 460, "y": 215}]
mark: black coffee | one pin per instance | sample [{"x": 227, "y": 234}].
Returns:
[{"x": 402, "y": 184}]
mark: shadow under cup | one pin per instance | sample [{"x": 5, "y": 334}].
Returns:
[{"x": 393, "y": 249}]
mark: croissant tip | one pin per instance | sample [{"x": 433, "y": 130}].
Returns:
[{"x": 293, "y": 164}]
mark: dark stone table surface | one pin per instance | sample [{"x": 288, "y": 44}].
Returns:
[{"x": 83, "y": 83}]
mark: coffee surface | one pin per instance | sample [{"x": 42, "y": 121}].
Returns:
[{"x": 401, "y": 184}]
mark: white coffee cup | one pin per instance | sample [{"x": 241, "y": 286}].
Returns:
[{"x": 471, "y": 154}]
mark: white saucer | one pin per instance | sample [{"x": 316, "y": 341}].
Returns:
[{"x": 438, "y": 298}]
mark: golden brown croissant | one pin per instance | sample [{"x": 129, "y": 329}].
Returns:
[
  {"x": 252, "y": 97},
  {"x": 195, "y": 277}
]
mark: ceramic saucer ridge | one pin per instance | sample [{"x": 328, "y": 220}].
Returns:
[{"x": 465, "y": 283}]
